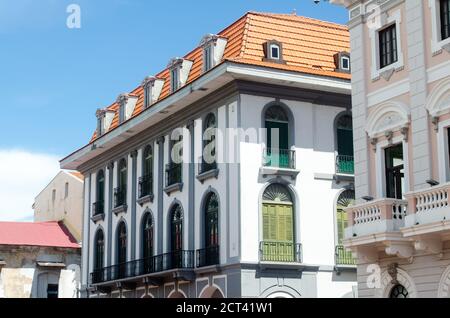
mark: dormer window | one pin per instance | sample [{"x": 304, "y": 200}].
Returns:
[
  {"x": 122, "y": 101},
  {"x": 345, "y": 63},
  {"x": 100, "y": 119},
  {"x": 342, "y": 61},
  {"x": 174, "y": 79},
  {"x": 208, "y": 57},
  {"x": 213, "y": 48},
  {"x": 147, "y": 85},
  {"x": 273, "y": 52}
]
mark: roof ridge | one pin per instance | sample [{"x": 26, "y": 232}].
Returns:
[
  {"x": 282, "y": 15},
  {"x": 244, "y": 35}
]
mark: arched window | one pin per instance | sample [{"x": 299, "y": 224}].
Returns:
[
  {"x": 278, "y": 225},
  {"x": 146, "y": 181},
  {"x": 121, "y": 191},
  {"x": 344, "y": 136},
  {"x": 209, "y": 144},
  {"x": 210, "y": 254},
  {"x": 211, "y": 221},
  {"x": 122, "y": 248},
  {"x": 399, "y": 291},
  {"x": 147, "y": 243},
  {"x": 99, "y": 256},
  {"x": 346, "y": 198},
  {"x": 174, "y": 168},
  {"x": 147, "y": 236},
  {"x": 100, "y": 204},
  {"x": 176, "y": 236},
  {"x": 277, "y": 127}
]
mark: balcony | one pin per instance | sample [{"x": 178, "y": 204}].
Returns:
[
  {"x": 145, "y": 189},
  {"x": 173, "y": 178},
  {"x": 429, "y": 211},
  {"x": 344, "y": 257},
  {"x": 375, "y": 217},
  {"x": 280, "y": 252},
  {"x": 208, "y": 256},
  {"x": 98, "y": 209},
  {"x": 279, "y": 162},
  {"x": 279, "y": 158},
  {"x": 207, "y": 170},
  {"x": 120, "y": 200},
  {"x": 345, "y": 165},
  {"x": 155, "y": 266}
]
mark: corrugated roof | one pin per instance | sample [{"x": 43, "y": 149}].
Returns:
[
  {"x": 309, "y": 47},
  {"x": 44, "y": 234}
]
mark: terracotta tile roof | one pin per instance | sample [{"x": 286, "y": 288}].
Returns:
[
  {"x": 45, "y": 234},
  {"x": 309, "y": 46}
]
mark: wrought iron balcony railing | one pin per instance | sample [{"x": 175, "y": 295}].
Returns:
[
  {"x": 279, "y": 251},
  {"x": 280, "y": 158},
  {"x": 344, "y": 257},
  {"x": 345, "y": 164},
  {"x": 145, "y": 185},
  {"x": 173, "y": 174},
  {"x": 98, "y": 208},
  {"x": 120, "y": 196},
  {"x": 208, "y": 256},
  {"x": 140, "y": 267}
]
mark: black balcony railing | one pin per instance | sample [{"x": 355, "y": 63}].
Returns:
[
  {"x": 204, "y": 166},
  {"x": 173, "y": 174},
  {"x": 280, "y": 158},
  {"x": 120, "y": 196},
  {"x": 208, "y": 256},
  {"x": 145, "y": 185},
  {"x": 155, "y": 264},
  {"x": 279, "y": 251},
  {"x": 344, "y": 257},
  {"x": 98, "y": 208},
  {"x": 345, "y": 164}
]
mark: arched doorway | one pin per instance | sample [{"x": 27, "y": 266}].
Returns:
[
  {"x": 346, "y": 199},
  {"x": 122, "y": 249},
  {"x": 278, "y": 243},
  {"x": 176, "y": 236},
  {"x": 344, "y": 137},
  {"x": 276, "y": 122}
]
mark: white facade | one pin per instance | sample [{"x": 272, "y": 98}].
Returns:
[{"x": 269, "y": 244}]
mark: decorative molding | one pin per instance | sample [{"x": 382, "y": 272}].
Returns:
[
  {"x": 431, "y": 245},
  {"x": 405, "y": 131},
  {"x": 387, "y": 74},
  {"x": 173, "y": 188},
  {"x": 390, "y": 116},
  {"x": 146, "y": 199},
  {"x": 399, "y": 250},
  {"x": 374, "y": 142},
  {"x": 134, "y": 154},
  {"x": 435, "y": 122},
  {"x": 392, "y": 271},
  {"x": 120, "y": 209},
  {"x": 213, "y": 173},
  {"x": 438, "y": 101}
]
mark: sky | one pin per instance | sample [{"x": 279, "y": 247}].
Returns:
[{"x": 53, "y": 78}]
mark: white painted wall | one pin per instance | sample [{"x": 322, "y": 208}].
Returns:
[{"x": 67, "y": 209}]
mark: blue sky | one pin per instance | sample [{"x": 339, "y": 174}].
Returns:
[{"x": 52, "y": 78}]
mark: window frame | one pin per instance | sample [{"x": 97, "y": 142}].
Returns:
[
  {"x": 148, "y": 100},
  {"x": 208, "y": 57},
  {"x": 387, "y": 46},
  {"x": 376, "y": 70},
  {"x": 175, "y": 78},
  {"x": 277, "y": 48},
  {"x": 437, "y": 42}
]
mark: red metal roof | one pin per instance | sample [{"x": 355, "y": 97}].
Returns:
[{"x": 45, "y": 234}]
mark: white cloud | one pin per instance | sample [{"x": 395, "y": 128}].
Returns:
[{"x": 22, "y": 176}]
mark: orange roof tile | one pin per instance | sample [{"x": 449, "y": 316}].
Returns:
[{"x": 309, "y": 46}]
